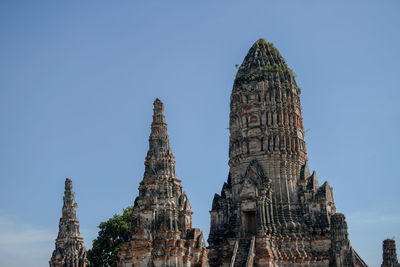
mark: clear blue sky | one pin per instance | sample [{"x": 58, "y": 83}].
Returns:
[{"x": 78, "y": 78}]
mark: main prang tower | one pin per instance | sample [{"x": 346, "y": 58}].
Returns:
[{"x": 272, "y": 211}]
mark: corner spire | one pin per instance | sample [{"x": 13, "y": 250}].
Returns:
[
  {"x": 69, "y": 206},
  {"x": 389, "y": 254},
  {"x": 160, "y": 162},
  {"x": 69, "y": 244}
]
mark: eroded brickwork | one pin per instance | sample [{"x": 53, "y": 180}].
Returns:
[
  {"x": 389, "y": 254},
  {"x": 272, "y": 210},
  {"x": 69, "y": 251},
  {"x": 162, "y": 216}
]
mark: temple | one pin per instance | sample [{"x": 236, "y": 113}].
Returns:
[
  {"x": 272, "y": 211},
  {"x": 162, "y": 216},
  {"x": 69, "y": 251}
]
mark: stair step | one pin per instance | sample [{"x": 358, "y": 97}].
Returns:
[{"x": 242, "y": 252}]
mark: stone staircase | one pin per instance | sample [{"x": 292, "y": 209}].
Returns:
[{"x": 243, "y": 252}]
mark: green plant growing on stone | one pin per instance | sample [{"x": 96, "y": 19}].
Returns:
[
  {"x": 273, "y": 68},
  {"x": 291, "y": 72},
  {"x": 271, "y": 45}
]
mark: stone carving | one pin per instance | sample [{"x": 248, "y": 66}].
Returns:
[
  {"x": 69, "y": 251},
  {"x": 272, "y": 211},
  {"x": 162, "y": 216},
  {"x": 389, "y": 254}
]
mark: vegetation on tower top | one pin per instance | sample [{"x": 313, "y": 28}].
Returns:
[{"x": 263, "y": 62}]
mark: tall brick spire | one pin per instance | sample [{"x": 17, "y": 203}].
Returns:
[
  {"x": 162, "y": 216},
  {"x": 272, "y": 208},
  {"x": 69, "y": 251}
]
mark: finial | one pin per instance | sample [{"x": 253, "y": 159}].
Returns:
[
  {"x": 158, "y": 103},
  {"x": 68, "y": 183},
  {"x": 158, "y": 111}
]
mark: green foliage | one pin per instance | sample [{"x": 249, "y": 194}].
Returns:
[
  {"x": 114, "y": 232},
  {"x": 291, "y": 72},
  {"x": 270, "y": 45},
  {"x": 237, "y": 66},
  {"x": 273, "y": 68},
  {"x": 277, "y": 68}
]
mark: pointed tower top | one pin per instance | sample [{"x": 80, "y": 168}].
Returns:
[
  {"x": 263, "y": 62},
  {"x": 68, "y": 184},
  {"x": 158, "y": 103},
  {"x": 160, "y": 160},
  {"x": 69, "y": 207},
  {"x": 262, "y": 42},
  {"x": 158, "y": 112},
  {"x": 264, "y": 52}
]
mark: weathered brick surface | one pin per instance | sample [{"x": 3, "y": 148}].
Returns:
[
  {"x": 162, "y": 218},
  {"x": 69, "y": 251},
  {"x": 270, "y": 194},
  {"x": 389, "y": 254}
]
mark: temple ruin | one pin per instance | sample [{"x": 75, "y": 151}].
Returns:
[{"x": 272, "y": 211}]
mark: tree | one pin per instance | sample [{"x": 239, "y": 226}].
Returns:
[{"x": 114, "y": 232}]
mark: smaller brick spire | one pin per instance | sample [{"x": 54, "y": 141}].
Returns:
[
  {"x": 69, "y": 212},
  {"x": 69, "y": 249},
  {"x": 389, "y": 254},
  {"x": 162, "y": 233},
  {"x": 160, "y": 162}
]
